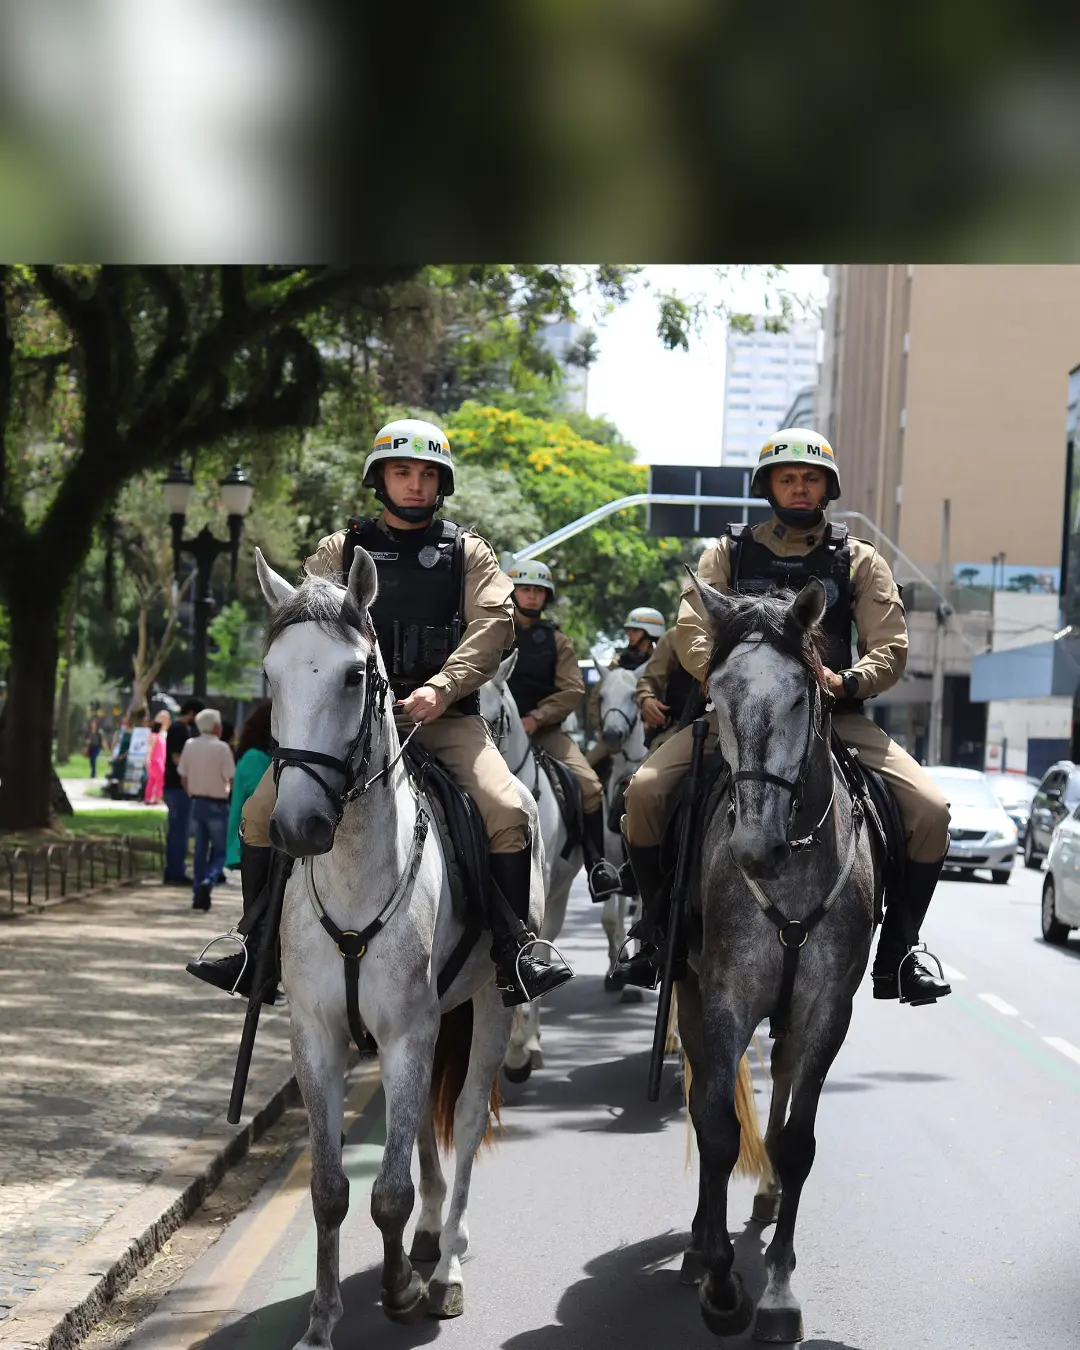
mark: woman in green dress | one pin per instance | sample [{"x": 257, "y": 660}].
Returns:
[{"x": 253, "y": 758}]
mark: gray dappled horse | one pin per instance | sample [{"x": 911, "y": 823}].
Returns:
[
  {"x": 367, "y": 859},
  {"x": 498, "y": 709},
  {"x": 792, "y": 839}
]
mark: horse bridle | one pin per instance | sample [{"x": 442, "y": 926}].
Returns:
[
  {"x": 631, "y": 722},
  {"x": 355, "y": 775},
  {"x": 795, "y": 786}
]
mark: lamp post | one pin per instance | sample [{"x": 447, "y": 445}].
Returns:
[{"x": 236, "y": 493}]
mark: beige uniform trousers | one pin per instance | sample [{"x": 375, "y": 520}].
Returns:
[
  {"x": 561, "y": 747},
  {"x": 465, "y": 746},
  {"x": 924, "y": 810}
]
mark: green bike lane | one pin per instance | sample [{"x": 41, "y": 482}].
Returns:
[{"x": 940, "y": 1211}]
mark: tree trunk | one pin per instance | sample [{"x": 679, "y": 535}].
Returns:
[
  {"x": 26, "y": 773},
  {"x": 63, "y": 716}
]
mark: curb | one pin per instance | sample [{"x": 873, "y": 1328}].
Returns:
[{"x": 63, "y": 1311}]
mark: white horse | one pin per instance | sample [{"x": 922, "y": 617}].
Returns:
[
  {"x": 372, "y": 867},
  {"x": 623, "y": 732},
  {"x": 499, "y": 710}
]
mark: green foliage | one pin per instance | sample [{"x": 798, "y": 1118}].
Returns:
[
  {"x": 604, "y": 571},
  {"x": 234, "y": 650}
]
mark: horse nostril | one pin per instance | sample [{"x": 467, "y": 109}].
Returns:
[
  {"x": 319, "y": 831},
  {"x": 779, "y": 855},
  {"x": 276, "y": 837}
]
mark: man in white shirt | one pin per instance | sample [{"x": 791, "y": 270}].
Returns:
[{"x": 206, "y": 770}]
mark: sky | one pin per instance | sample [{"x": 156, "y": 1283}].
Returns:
[{"x": 669, "y": 405}]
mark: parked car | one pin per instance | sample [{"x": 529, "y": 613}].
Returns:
[
  {"x": 981, "y": 835},
  {"x": 1061, "y": 886},
  {"x": 1015, "y": 792},
  {"x": 1057, "y": 795}
]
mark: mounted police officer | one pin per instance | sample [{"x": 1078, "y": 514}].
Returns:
[
  {"x": 663, "y": 690},
  {"x": 546, "y": 685},
  {"x": 797, "y": 473},
  {"x": 444, "y": 618},
  {"x": 644, "y": 627}
]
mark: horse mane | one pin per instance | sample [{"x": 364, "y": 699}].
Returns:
[
  {"x": 317, "y": 600},
  {"x": 767, "y": 618}
]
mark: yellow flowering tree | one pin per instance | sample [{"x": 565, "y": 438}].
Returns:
[{"x": 606, "y": 570}]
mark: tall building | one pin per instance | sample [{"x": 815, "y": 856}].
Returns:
[
  {"x": 559, "y": 337},
  {"x": 763, "y": 373},
  {"x": 952, "y": 383}
]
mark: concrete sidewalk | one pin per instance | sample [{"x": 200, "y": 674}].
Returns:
[{"x": 115, "y": 1070}]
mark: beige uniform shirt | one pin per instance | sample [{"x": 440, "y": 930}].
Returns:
[
  {"x": 569, "y": 687},
  {"x": 878, "y": 610},
  {"x": 489, "y": 614},
  {"x": 653, "y": 680}
]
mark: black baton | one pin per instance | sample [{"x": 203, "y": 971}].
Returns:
[
  {"x": 265, "y": 963},
  {"x": 678, "y": 903}
]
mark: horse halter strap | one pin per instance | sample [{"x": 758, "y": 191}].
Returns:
[
  {"x": 794, "y": 786},
  {"x": 356, "y": 782}
]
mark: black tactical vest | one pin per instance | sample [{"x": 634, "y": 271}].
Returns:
[
  {"x": 533, "y": 678},
  {"x": 681, "y": 684},
  {"x": 756, "y": 569},
  {"x": 418, "y": 609}
]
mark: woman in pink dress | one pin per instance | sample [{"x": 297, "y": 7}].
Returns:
[{"x": 155, "y": 763}]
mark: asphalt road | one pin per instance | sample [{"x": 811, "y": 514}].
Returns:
[{"x": 942, "y": 1210}]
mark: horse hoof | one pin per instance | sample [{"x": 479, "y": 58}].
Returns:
[
  {"x": 536, "y": 1059},
  {"x": 766, "y": 1208},
  {"x": 631, "y": 994},
  {"x": 613, "y": 983},
  {"x": 725, "y": 1321},
  {"x": 521, "y": 1074},
  {"x": 692, "y": 1271},
  {"x": 778, "y": 1325},
  {"x": 425, "y": 1246},
  {"x": 402, "y": 1305},
  {"x": 445, "y": 1300}
]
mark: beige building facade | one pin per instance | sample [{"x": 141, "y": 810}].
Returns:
[{"x": 952, "y": 381}]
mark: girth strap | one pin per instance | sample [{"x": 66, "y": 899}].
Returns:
[{"x": 353, "y": 945}]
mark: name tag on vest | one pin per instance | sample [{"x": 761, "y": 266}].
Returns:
[{"x": 384, "y": 557}]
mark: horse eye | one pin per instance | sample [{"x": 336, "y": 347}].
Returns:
[{"x": 354, "y": 677}]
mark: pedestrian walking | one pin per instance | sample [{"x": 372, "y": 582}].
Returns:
[
  {"x": 95, "y": 742},
  {"x": 206, "y": 771},
  {"x": 176, "y": 799},
  {"x": 253, "y": 758}
]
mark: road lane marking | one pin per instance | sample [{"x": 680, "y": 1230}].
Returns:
[
  {"x": 1064, "y": 1047},
  {"x": 999, "y": 1005},
  {"x": 951, "y": 973},
  {"x": 1031, "y": 1049},
  {"x": 1026, "y": 1023}
]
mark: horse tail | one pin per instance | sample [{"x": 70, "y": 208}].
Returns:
[
  {"x": 448, "y": 1071},
  {"x": 753, "y": 1158}
]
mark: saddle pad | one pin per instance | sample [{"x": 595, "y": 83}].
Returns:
[
  {"x": 461, "y": 829},
  {"x": 567, "y": 792}
]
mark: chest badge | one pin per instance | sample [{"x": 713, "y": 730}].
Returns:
[{"x": 429, "y": 555}]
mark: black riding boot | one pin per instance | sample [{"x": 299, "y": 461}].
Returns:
[
  {"x": 603, "y": 876},
  {"x": 897, "y": 972},
  {"x": 646, "y": 968},
  {"x": 518, "y": 974},
  {"x": 227, "y": 970}
]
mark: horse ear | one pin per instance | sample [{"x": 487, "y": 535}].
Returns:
[
  {"x": 363, "y": 582},
  {"x": 276, "y": 589},
  {"x": 809, "y": 605},
  {"x": 718, "y": 606},
  {"x": 601, "y": 658},
  {"x": 506, "y": 669}
]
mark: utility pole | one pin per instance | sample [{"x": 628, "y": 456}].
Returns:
[{"x": 944, "y": 609}]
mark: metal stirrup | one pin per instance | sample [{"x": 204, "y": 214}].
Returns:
[
  {"x": 233, "y": 935},
  {"x": 528, "y": 946}
]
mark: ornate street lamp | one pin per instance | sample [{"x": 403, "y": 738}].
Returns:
[{"x": 237, "y": 491}]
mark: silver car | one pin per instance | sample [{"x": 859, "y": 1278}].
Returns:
[
  {"x": 1061, "y": 886},
  {"x": 1015, "y": 792},
  {"x": 981, "y": 835}
]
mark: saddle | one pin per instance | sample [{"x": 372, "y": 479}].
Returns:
[
  {"x": 567, "y": 792},
  {"x": 465, "y": 848}
]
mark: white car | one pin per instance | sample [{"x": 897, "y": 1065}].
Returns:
[
  {"x": 1061, "y": 886},
  {"x": 981, "y": 835}
]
